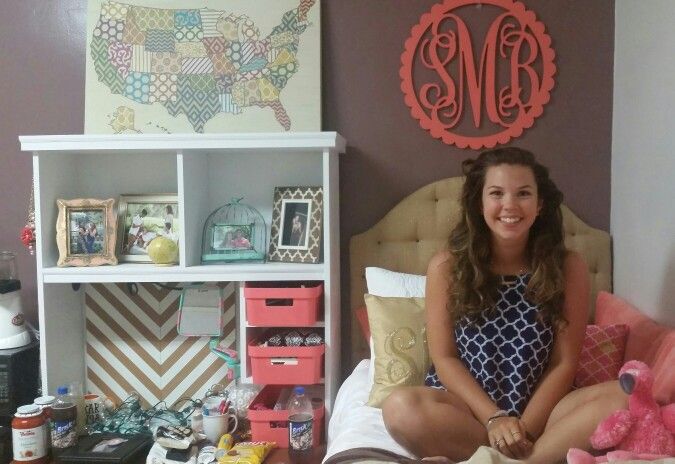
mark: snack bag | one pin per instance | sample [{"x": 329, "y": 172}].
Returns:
[{"x": 246, "y": 452}]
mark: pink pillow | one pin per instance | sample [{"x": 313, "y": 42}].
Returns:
[
  {"x": 364, "y": 324},
  {"x": 649, "y": 342},
  {"x": 601, "y": 355}
]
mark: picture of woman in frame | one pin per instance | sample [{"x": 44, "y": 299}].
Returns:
[
  {"x": 297, "y": 230},
  {"x": 85, "y": 232},
  {"x": 294, "y": 231}
]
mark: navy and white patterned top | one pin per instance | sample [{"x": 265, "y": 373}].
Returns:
[{"x": 506, "y": 351}]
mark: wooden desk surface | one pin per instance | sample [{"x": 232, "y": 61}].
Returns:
[{"x": 281, "y": 456}]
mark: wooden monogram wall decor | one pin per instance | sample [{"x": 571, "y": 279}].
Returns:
[{"x": 483, "y": 89}]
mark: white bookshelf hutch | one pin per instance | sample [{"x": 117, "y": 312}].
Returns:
[{"x": 206, "y": 170}]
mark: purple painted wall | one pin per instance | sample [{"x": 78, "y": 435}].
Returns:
[
  {"x": 42, "y": 46},
  {"x": 390, "y": 156},
  {"x": 41, "y": 92}
]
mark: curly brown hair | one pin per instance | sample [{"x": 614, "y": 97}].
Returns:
[{"x": 475, "y": 287}]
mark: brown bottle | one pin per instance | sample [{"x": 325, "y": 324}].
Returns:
[{"x": 64, "y": 421}]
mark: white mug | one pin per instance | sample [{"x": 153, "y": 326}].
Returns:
[
  {"x": 215, "y": 424},
  {"x": 94, "y": 406}
]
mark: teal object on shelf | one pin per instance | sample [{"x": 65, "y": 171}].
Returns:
[{"x": 234, "y": 233}]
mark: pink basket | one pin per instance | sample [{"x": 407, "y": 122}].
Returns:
[
  {"x": 283, "y": 306},
  {"x": 272, "y": 425},
  {"x": 281, "y": 365}
]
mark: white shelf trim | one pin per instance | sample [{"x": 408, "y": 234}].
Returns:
[
  {"x": 311, "y": 141},
  {"x": 130, "y": 272}
]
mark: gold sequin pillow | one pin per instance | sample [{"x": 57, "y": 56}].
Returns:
[{"x": 400, "y": 354}]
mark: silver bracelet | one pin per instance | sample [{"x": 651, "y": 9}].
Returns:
[{"x": 496, "y": 415}]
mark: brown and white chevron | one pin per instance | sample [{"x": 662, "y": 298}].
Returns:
[{"x": 133, "y": 345}]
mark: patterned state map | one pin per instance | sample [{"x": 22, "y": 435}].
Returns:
[{"x": 197, "y": 62}]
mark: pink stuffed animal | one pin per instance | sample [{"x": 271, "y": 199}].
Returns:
[{"x": 644, "y": 431}]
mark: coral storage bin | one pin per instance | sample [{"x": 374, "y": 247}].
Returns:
[
  {"x": 272, "y": 425},
  {"x": 281, "y": 365},
  {"x": 282, "y": 306}
]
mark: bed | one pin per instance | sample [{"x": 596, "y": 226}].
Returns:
[{"x": 404, "y": 241}]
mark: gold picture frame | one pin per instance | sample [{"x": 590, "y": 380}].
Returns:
[{"x": 86, "y": 229}]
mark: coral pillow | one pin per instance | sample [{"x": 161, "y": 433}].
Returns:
[
  {"x": 649, "y": 342},
  {"x": 602, "y": 354}
]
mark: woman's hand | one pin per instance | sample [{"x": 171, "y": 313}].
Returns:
[{"x": 508, "y": 436}]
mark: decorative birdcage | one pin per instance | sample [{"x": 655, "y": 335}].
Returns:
[{"x": 233, "y": 233}]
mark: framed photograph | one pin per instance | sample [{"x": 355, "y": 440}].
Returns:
[
  {"x": 232, "y": 237},
  {"x": 143, "y": 218},
  {"x": 85, "y": 232},
  {"x": 297, "y": 225}
]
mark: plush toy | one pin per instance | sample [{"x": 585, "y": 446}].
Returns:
[{"x": 643, "y": 431}]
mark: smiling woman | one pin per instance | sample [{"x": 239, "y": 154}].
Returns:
[
  {"x": 506, "y": 308},
  {"x": 510, "y": 204}
]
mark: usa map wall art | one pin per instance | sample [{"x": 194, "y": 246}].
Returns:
[{"x": 184, "y": 66}]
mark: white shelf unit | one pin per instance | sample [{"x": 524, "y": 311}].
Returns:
[{"x": 206, "y": 171}]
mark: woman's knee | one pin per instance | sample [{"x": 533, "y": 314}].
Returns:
[
  {"x": 400, "y": 408},
  {"x": 607, "y": 398},
  {"x": 613, "y": 395}
]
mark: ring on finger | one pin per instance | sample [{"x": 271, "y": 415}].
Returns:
[
  {"x": 500, "y": 442},
  {"x": 516, "y": 433}
]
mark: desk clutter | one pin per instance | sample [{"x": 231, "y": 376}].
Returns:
[{"x": 237, "y": 424}]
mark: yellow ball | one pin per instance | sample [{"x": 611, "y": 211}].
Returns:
[{"x": 163, "y": 250}]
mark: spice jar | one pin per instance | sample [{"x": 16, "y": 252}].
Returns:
[{"x": 29, "y": 442}]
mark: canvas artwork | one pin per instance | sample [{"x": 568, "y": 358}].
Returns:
[{"x": 193, "y": 66}]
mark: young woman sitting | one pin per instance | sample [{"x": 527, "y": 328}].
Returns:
[{"x": 506, "y": 308}]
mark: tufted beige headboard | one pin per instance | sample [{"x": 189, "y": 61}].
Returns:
[{"x": 406, "y": 238}]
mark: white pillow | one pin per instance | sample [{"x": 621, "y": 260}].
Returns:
[{"x": 382, "y": 282}]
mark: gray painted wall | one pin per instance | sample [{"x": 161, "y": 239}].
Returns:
[{"x": 643, "y": 164}]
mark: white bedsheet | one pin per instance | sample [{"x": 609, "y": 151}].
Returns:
[{"x": 355, "y": 425}]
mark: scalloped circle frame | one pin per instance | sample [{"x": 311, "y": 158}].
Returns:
[{"x": 524, "y": 121}]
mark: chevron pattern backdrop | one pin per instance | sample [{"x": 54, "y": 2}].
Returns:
[{"x": 133, "y": 345}]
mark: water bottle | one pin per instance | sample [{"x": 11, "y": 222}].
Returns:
[
  {"x": 76, "y": 394},
  {"x": 300, "y": 418},
  {"x": 64, "y": 421}
]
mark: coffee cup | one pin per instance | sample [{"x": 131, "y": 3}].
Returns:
[
  {"x": 216, "y": 421},
  {"x": 94, "y": 407}
]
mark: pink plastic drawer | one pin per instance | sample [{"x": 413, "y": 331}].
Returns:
[
  {"x": 272, "y": 425},
  {"x": 286, "y": 305},
  {"x": 281, "y": 365}
]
